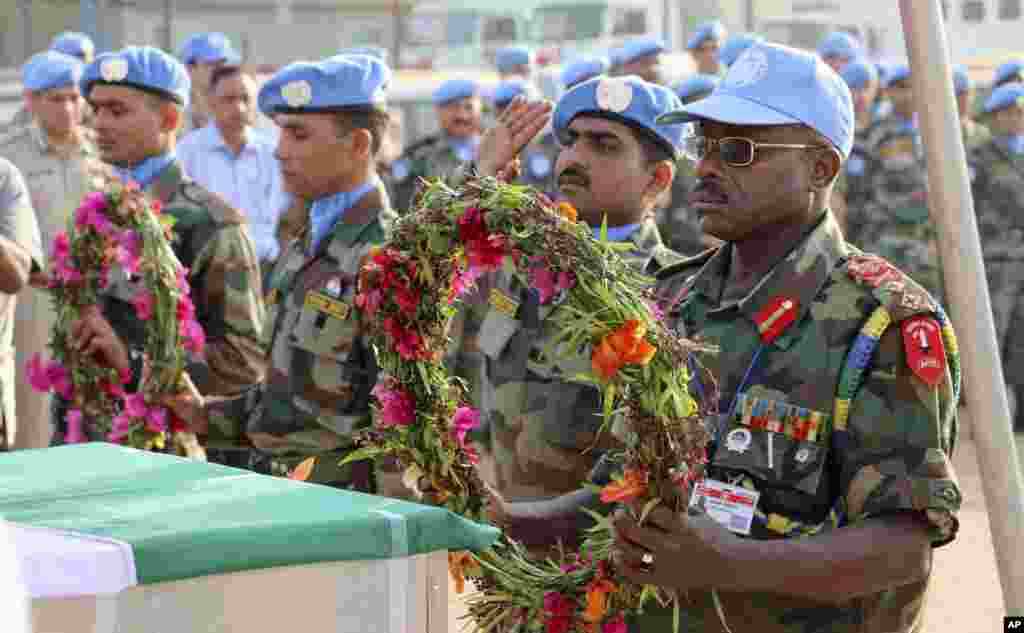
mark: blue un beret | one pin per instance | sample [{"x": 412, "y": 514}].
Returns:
[
  {"x": 637, "y": 49},
  {"x": 735, "y": 46},
  {"x": 342, "y": 81},
  {"x": 858, "y": 74},
  {"x": 508, "y": 58},
  {"x": 771, "y": 84},
  {"x": 1004, "y": 96},
  {"x": 695, "y": 85},
  {"x": 509, "y": 90},
  {"x": 208, "y": 48},
  {"x": 708, "y": 31},
  {"x": 900, "y": 72},
  {"x": 629, "y": 100},
  {"x": 840, "y": 44},
  {"x": 75, "y": 44},
  {"x": 1009, "y": 71},
  {"x": 49, "y": 70},
  {"x": 142, "y": 67},
  {"x": 455, "y": 89},
  {"x": 583, "y": 69}
]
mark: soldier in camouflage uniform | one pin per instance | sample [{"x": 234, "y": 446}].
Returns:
[
  {"x": 837, "y": 383},
  {"x": 138, "y": 94},
  {"x": 678, "y": 222},
  {"x": 55, "y": 154},
  {"x": 614, "y": 161},
  {"x": 997, "y": 175},
  {"x": 895, "y": 223},
  {"x": 333, "y": 118},
  {"x": 704, "y": 46},
  {"x": 853, "y": 187},
  {"x": 459, "y": 111},
  {"x": 975, "y": 134}
]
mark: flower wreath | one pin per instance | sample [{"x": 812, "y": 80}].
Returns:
[
  {"x": 408, "y": 290},
  {"x": 119, "y": 224}
]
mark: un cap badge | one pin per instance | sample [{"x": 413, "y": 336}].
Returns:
[
  {"x": 114, "y": 69},
  {"x": 614, "y": 95},
  {"x": 297, "y": 93},
  {"x": 749, "y": 69}
]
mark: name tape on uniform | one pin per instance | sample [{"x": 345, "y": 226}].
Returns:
[{"x": 323, "y": 303}]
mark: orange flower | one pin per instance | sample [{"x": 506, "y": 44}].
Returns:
[
  {"x": 632, "y": 484},
  {"x": 458, "y": 564},
  {"x": 303, "y": 470},
  {"x": 597, "y": 599},
  {"x": 567, "y": 211},
  {"x": 626, "y": 345}
]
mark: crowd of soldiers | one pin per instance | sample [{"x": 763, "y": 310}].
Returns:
[{"x": 752, "y": 191}]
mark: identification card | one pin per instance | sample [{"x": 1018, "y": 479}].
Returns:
[
  {"x": 323, "y": 303},
  {"x": 731, "y": 506}
]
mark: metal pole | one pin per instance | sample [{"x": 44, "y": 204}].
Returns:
[
  {"x": 952, "y": 210},
  {"x": 169, "y": 26},
  {"x": 25, "y": 9},
  {"x": 396, "y": 45}
]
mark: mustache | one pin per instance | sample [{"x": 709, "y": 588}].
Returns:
[{"x": 574, "y": 176}]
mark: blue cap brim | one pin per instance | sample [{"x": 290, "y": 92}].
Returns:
[{"x": 730, "y": 110}]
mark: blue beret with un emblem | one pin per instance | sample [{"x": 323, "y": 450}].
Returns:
[
  {"x": 208, "y": 48},
  {"x": 735, "y": 46},
  {"x": 583, "y": 69},
  {"x": 858, "y": 74},
  {"x": 75, "y": 44},
  {"x": 628, "y": 100},
  {"x": 638, "y": 49},
  {"x": 771, "y": 84},
  {"x": 1004, "y": 96},
  {"x": 343, "y": 81},
  {"x": 49, "y": 70},
  {"x": 506, "y": 59},
  {"x": 708, "y": 31},
  {"x": 695, "y": 85},
  {"x": 1009, "y": 71},
  {"x": 895, "y": 74},
  {"x": 455, "y": 89},
  {"x": 840, "y": 44},
  {"x": 142, "y": 67}
]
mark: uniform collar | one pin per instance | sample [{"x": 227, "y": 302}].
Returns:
[
  {"x": 145, "y": 173},
  {"x": 325, "y": 212},
  {"x": 797, "y": 279}
]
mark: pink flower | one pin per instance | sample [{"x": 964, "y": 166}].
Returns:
[
  {"x": 615, "y": 625},
  {"x": 462, "y": 281},
  {"x": 566, "y": 280},
  {"x": 543, "y": 279},
  {"x": 95, "y": 201},
  {"x": 407, "y": 299},
  {"x": 156, "y": 420},
  {"x": 397, "y": 407},
  {"x": 60, "y": 379},
  {"x": 74, "y": 434},
  {"x": 370, "y": 301},
  {"x": 129, "y": 251},
  {"x": 182, "y": 278},
  {"x": 466, "y": 419},
  {"x": 61, "y": 247},
  {"x": 135, "y": 405},
  {"x": 186, "y": 310},
  {"x": 409, "y": 345},
  {"x": 121, "y": 427},
  {"x": 143, "y": 302},
  {"x": 90, "y": 214},
  {"x": 194, "y": 337},
  {"x": 67, "y": 274},
  {"x": 557, "y": 604},
  {"x": 38, "y": 378}
]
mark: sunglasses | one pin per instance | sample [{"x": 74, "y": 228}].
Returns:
[{"x": 733, "y": 150}]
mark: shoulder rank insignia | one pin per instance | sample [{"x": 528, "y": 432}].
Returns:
[
  {"x": 774, "y": 318},
  {"x": 922, "y": 342}
]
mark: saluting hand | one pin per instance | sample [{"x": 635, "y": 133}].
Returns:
[{"x": 521, "y": 121}]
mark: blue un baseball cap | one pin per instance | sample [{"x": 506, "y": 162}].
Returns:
[
  {"x": 707, "y": 31},
  {"x": 143, "y": 68},
  {"x": 629, "y": 100},
  {"x": 342, "y": 81},
  {"x": 50, "y": 69},
  {"x": 771, "y": 84},
  {"x": 696, "y": 85},
  {"x": 858, "y": 74},
  {"x": 583, "y": 69},
  {"x": 74, "y": 44},
  {"x": 1004, "y": 96},
  {"x": 735, "y": 46}
]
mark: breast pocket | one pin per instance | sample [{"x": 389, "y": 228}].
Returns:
[
  {"x": 780, "y": 444},
  {"x": 326, "y": 326}
]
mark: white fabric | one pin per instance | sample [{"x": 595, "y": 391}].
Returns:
[
  {"x": 14, "y": 611},
  {"x": 251, "y": 181},
  {"x": 58, "y": 563},
  {"x": 341, "y": 597}
]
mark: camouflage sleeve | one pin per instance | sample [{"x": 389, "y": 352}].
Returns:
[
  {"x": 232, "y": 314},
  {"x": 894, "y": 454}
]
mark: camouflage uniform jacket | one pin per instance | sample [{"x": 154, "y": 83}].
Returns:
[
  {"x": 211, "y": 241},
  {"x": 895, "y": 223},
  {"x": 428, "y": 158},
  {"x": 322, "y": 369},
  {"x": 541, "y": 423},
  {"x": 783, "y": 431}
]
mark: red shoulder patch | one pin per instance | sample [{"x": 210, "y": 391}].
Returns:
[
  {"x": 872, "y": 270},
  {"x": 774, "y": 318},
  {"x": 922, "y": 342}
]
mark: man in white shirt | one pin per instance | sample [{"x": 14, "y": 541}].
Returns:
[{"x": 236, "y": 161}]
